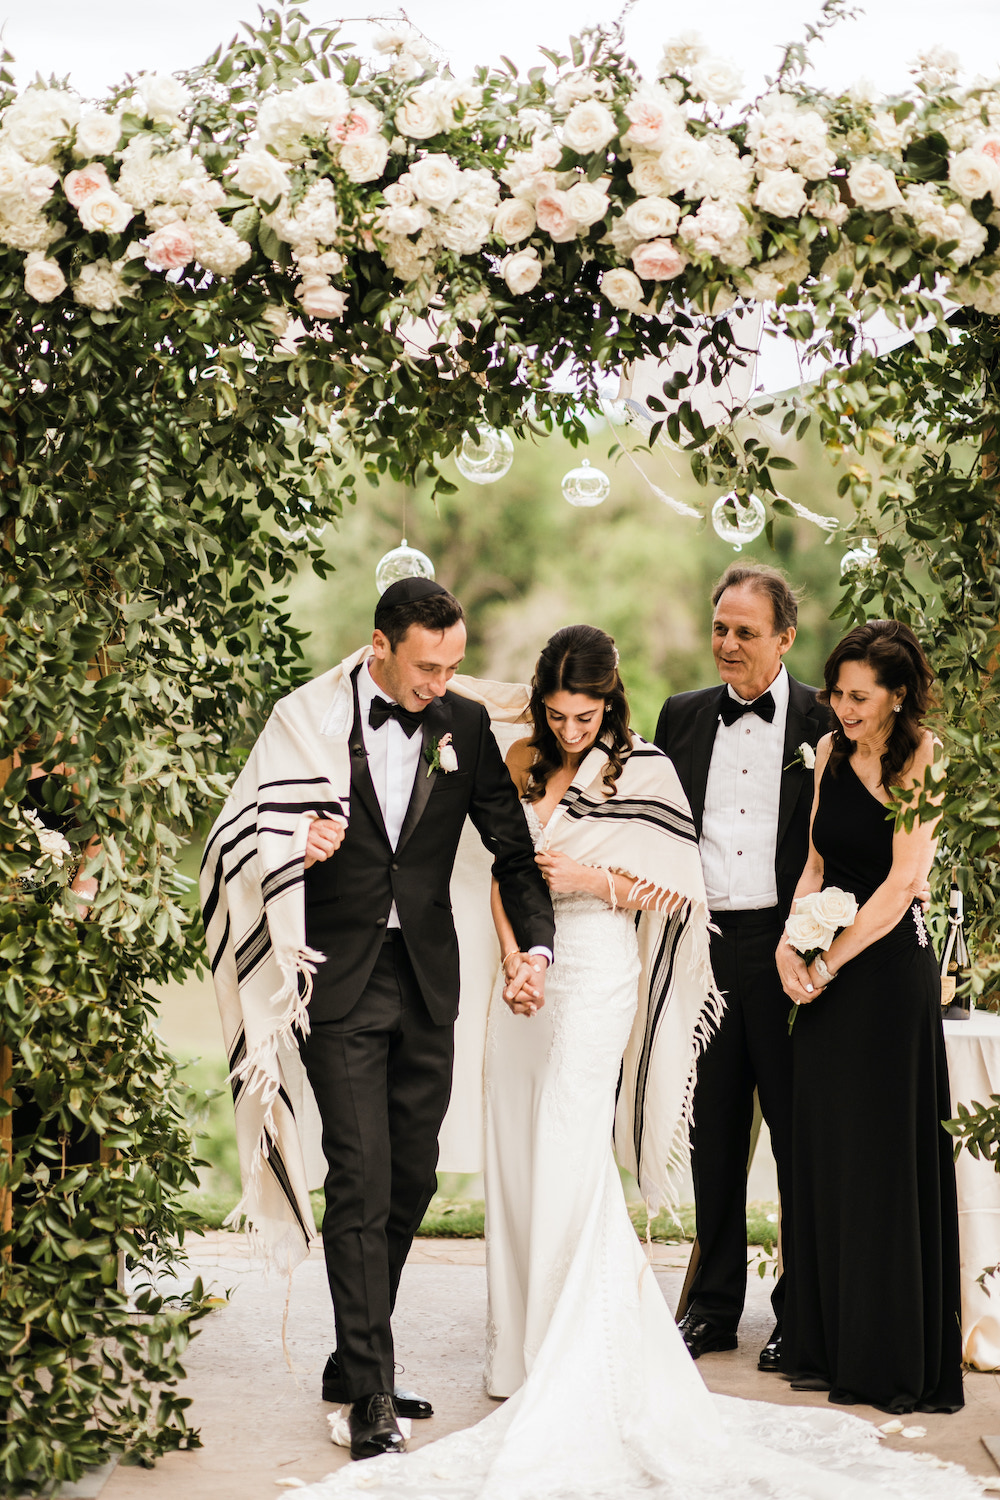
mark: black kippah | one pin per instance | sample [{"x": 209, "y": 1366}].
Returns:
[{"x": 405, "y": 591}]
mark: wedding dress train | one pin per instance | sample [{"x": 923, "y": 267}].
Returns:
[{"x": 605, "y": 1402}]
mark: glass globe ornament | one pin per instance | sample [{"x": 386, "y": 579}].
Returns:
[
  {"x": 738, "y": 519},
  {"x": 859, "y": 559},
  {"x": 586, "y": 485},
  {"x": 485, "y": 455},
  {"x": 403, "y": 561}
]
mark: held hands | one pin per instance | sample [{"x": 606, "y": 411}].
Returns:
[
  {"x": 326, "y": 834},
  {"x": 524, "y": 990}
]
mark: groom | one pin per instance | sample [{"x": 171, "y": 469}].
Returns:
[
  {"x": 740, "y": 751},
  {"x": 380, "y": 1048}
]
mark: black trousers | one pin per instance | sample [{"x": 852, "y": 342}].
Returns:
[
  {"x": 752, "y": 1049},
  {"x": 382, "y": 1079}
]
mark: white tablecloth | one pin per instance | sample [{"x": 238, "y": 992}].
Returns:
[{"x": 974, "y": 1067}]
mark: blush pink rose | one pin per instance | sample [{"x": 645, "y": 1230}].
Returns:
[
  {"x": 84, "y": 181},
  {"x": 170, "y": 247},
  {"x": 658, "y": 260},
  {"x": 991, "y": 147},
  {"x": 554, "y": 216}
]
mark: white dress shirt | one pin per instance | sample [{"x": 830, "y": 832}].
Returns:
[
  {"x": 393, "y": 761},
  {"x": 739, "y": 830}
]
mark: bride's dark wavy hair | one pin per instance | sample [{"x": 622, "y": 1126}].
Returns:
[
  {"x": 895, "y": 656},
  {"x": 578, "y": 659}
]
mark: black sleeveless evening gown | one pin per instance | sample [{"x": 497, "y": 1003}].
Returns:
[{"x": 873, "y": 1302}]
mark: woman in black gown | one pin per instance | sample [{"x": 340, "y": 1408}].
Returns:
[{"x": 873, "y": 1308}]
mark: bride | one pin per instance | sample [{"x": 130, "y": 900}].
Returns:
[{"x": 604, "y": 1402}]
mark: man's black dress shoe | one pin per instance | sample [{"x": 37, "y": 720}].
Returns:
[
  {"x": 408, "y": 1403},
  {"x": 770, "y": 1355},
  {"x": 373, "y": 1427},
  {"x": 702, "y": 1337}
]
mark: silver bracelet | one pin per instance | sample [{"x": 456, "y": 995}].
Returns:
[{"x": 823, "y": 973}]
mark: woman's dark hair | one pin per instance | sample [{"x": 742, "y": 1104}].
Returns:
[
  {"x": 895, "y": 656},
  {"x": 578, "y": 659}
]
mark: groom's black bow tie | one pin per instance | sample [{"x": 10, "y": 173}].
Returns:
[
  {"x": 382, "y": 709},
  {"x": 732, "y": 709}
]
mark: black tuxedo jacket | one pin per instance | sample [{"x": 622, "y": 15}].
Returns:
[
  {"x": 349, "y": 896},
  {"x": 686, "y": 732}
]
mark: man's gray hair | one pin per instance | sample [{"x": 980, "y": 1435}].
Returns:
[{"x": 763, "y": 580}]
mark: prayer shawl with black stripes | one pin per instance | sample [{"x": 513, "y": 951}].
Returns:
[{"x": 646, "y": 832}]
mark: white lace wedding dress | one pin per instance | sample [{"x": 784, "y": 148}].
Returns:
[{"x": 605, "y": 1403}]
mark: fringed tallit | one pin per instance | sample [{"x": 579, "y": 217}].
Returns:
[
  {"x": 253, "y": 898},
  {"x": 646, "y": 831}
]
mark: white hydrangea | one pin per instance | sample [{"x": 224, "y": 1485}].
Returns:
[
  {"x": 24, "y": 227},
  {"x": 465, "y": 228},
  {"x": 315, "y": 219},
  {"x": 936, "y": 68},
  {"x": 100, "y": 285},
  {"x": 524, "y": 167},
  {"x": 717, "y": 229},
  {"x": 38, "y": 121},
  {"x": 771, "y": 278},
  {"x": 217, "y": 246},
  {"x": 150, "y": 174},
  {"x": 984, "y": 295}
]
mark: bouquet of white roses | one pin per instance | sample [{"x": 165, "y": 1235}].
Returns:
[{"x": 817, "y": 919}]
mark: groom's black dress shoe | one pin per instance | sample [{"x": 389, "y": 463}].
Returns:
[
  {"x": 373, "y": 1427},
  {"x": 702, "y": 1337},
  {"x": 408, "y": 1403},
  {"x": 770, "y": 1355}
]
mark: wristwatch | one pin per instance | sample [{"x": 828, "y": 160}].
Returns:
[{"x": 822, "y": 972}]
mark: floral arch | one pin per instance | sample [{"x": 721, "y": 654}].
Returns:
[{"x": 226, "y": 295}]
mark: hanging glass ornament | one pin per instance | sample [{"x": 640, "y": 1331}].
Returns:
[
  {"x": 738, "y": 519},
  {"x": 485, "y": 455},
  {"x": 859, "y": 559},
  {"x": 586, "y": 485},
  {"x": 403, "y": 561}
]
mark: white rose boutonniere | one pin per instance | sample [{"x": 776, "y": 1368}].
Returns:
[
  {"x": 805, "y": 756},
  {"x": 441, "y": 755},
  {"x": 817, "y": 919}
]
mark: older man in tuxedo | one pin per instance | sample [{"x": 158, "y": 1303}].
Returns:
[
  {"x": 380, "y": 1046},
  {"x": 743, "y": 752}
]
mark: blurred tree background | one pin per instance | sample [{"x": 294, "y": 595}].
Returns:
[{"x": 524, "y": 562}]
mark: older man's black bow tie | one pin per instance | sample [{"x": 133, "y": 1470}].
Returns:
[
  {"x": 382, "y": 709},
  {"x": 732, "y": 709}
]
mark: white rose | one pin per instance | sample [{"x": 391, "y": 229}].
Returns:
[
  {"x": 399, "y": 193},
  {"x": 683, "y": 53},
  {"x": 364, "y": 160},
  {"x": 521, "y": 271},
  {"x": 463, "y": 100},
  {"x": 398, "y": 219},
  {"x": 98, "y": 134},
  {"x": 279, "y": 125},
  {"x": 772, "y": 276},
  {"x": 38, "y": 182},
  {"x": 447, "y": 756},
  {"x": 37, "y": 120},
  {"x": 105, "y": 212},
  {"x": 818, "y": 165},
  {"x": 277, "y": 319},
  {"x": 435, "y": 180},
  {"x": 576, "y": 86},
  {"x": 649, "y": 218},
  {"x": 43, "y": 279},
  {"x": 873, "y": 186},
  {"x": 805, "y": 932},
  {"x": 622, "y": 288},
  {"x": 319, "y": 102},
  {"x": 217, "y": 246},
  {"x": 716, "y": 80},
  {"x": 261, "y": 175},
  {"x": 403, "y": 257},
  {"x": 514, "y": 220},
  {"x": 421, "y": 116},
  {"x": 658, "y": 260},
  {"x": 683, "y": 160},
  {"x": 964, "y": 227},
  {"x": 887, "y": 134},
  {"x": 465, "y": 228},
  {"x": 808, "y": 755},
  {"x": 835, "y": 908},
  {"x": 587, "y": 202},
  {"x": 321, "y": 300},
  {"x": 648, "y": 177},
  {"x": 781, "y": 193},
  {"x": 973, "y": 175},
  {"x": 588, "y": 127},
  {"x": 163, "y": 96}
]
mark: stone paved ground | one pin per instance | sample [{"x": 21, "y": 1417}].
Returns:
[{"x": 261, "y": 1422}]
